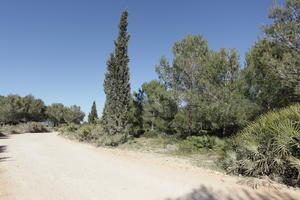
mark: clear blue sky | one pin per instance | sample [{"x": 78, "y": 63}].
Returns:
[{"x": 57, "y": 49}]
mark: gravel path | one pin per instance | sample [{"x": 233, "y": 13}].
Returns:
[{"x": 49, "y": 167}]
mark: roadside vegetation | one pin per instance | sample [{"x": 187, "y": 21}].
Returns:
[
  {"x": 244, "y": 120},
  {"x": 269, "y": 146},
  {"x": 31, "y": 127},
  {"x": 30, "y": 115}
]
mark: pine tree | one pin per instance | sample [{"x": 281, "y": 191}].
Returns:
[
  {"x": 205, "y": 85},
  {"x": 116, "y": 84},
  {"x": 93, "y": 116}
]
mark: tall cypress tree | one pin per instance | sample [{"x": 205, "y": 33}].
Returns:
[
  {"x": 93, "y": 116},
  {"x": 116, "y": 84}
]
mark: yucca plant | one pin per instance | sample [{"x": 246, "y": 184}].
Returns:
[{"x": 270, "y": 146}]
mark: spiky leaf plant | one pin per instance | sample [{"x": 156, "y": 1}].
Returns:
[{"x": 270, "y": 146}]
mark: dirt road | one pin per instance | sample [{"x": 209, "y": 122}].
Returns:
[{"x": 49, "y": 167}]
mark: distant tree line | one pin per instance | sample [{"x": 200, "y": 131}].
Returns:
[{"x": 15, "y": 109}]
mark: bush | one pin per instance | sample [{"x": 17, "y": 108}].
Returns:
[
  {"x": 84, "y": 133},
  {"x": 270, "y": 146},
  {"x": 92, "y": 133},
  {"x": 200, "y": 143},
  {"x": 32, "y": 127},
  {"x": 89, "y": 133},
  {"x": 68, "y": 128},
  {"x": 112, "y": 140}
]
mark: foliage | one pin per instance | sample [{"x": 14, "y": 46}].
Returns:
[
  {"x": 267, "y": 81},
  {"x": 84, "y": 132},
  {"x": 59, "y": 114},
  {"x": 32, "y": 127},
  {"x": 152, "y": 144},
  {"x": 285, "y": 27},
  {"x": 272, "y": 73},
  {"x": 136, "y": 114},
  {"x": 200, "y": 143},
  {"x": 116, "y": 84},
  {"x": 55, "y": 114},
  {"x": 93, "y": 116},
  {"x": 88, "y": 133},
  {"x": 269, "y": 146},
  {"x": 73, "y": 114},
  {"x": 68, "y": 128},
  {"x": 15, "y": 109},
  {"x": 206, "y": 86},
  {"x": 159, "y": 108},
  {"x": 33, "y": 109},
  {"x": 112, "y": 140},
  {"x": 91, "y": 133}
]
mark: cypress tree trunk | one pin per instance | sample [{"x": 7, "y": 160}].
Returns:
[{"x": 116, "y": 84}]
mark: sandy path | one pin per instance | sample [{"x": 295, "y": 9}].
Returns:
[{"x": 48, "y": 167}]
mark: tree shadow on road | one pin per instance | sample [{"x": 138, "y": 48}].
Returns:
[
  {"x": 206, "y": 193},
  {"x": 2, "y": 136},
  {"x": 3, "y": 148}
]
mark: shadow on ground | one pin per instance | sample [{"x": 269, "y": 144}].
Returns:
[
  {"x": 206, "y": 193},
  {"x": 3, "y": 148},
  {"x": 2, "y": 136}
]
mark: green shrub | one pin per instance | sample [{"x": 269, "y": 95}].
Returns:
[
  {"x": 200, "y": 143},
  {"x": 32, "y": 127},
  {"x": 270, "y": 146},
  {"x": 84, "y": 132},
  {"x": 89, "y": 133},
  {"x": 111, "y": 140},
  {"x": 154, "y": 134},
  {"x": 93, "y": 134},
  {"x": 69, "y": 128}
]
